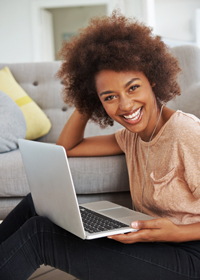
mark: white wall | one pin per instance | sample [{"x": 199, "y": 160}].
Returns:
[
  {"x": 69, "y": 20},
  {"x": 174, "y": 19},
  {"x": 133, "y": 8},
  {"x": 15, "y": 31}
]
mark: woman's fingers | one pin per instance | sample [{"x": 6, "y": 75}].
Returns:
[
  {"x": 131, "y": 237},
  {"x": 149, "y": 224},
  {"x": 156, "y": 230}
]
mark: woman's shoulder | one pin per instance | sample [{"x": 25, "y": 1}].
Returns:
[
  {"x": 185, "y": 124},
  {"x": 124, "y": 134},
  {"x": 186, "y": 120},
  {"x": 125, "y": 138}
]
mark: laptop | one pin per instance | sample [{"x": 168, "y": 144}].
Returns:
[{"x": 53, "y": 192}]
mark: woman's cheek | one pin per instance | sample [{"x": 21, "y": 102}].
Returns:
[{"x": 109, "y": 111}]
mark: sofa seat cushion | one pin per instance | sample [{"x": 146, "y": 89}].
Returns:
[
  {"x": 99, "y": 174},
  {"x": 90, "y": 175},
  {"x": 7, "y": 204},
  {"x": 12, "y": 175}
]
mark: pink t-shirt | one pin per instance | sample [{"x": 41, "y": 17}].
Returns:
[{"x": 172, "y": 181}]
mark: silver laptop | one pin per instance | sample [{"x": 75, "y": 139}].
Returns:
[{"x": 54, "y": 195}]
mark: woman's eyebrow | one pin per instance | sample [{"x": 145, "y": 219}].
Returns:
[
  {"x": 106, "y": 92},
  {"x": 126, "y": 85},
  {"x": 132, "y": 80}
]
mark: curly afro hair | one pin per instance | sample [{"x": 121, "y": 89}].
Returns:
[{"x": 120, "y": 44}]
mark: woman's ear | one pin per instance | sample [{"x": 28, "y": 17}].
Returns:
[{"x": 153, "y": 84}]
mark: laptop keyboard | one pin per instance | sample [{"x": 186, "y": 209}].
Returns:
[{"x": 95, "y": 222}]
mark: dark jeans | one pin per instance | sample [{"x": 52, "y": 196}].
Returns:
[{"x": 27, "y": 241}]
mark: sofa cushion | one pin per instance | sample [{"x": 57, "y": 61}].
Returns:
[
  {"x": 190, "y": 102},
  {"x": 6, "y": 205},
  {"x": 37, "y": 122},
  {"x": 99, "y": 174},
  {"x": 12, "y": 175},
  {"x": 91, "y": 175},
  {"x": 12, "y": 124},
  {"x": 189, "y": 80}
]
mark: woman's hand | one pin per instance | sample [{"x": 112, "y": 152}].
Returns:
[{"x": 156, "y": 230}]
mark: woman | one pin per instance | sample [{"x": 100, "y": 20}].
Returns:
[{"x": 117, "y": 70}]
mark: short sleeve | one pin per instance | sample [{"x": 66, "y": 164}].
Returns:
[{"x": 120, "y": 137}]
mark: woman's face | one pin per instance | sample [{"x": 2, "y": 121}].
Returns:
[{"x": 128, "y": 99}]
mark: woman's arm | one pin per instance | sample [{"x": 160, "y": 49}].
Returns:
[
  {"x": 159, "y": 230},
  {"x": 72, "y": 139}
]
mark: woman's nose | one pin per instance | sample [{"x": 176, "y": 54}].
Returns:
[{"x": 125, "y": 104}]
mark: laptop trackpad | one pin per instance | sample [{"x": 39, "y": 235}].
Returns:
[{"x": 116, "y": 212}]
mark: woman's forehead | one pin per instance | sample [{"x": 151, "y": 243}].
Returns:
[{"x": 109, "y": 76}]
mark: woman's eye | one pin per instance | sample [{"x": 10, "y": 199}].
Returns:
[
  {"x": 110, "y": 97},
  {"x": 132, "y": 88}
]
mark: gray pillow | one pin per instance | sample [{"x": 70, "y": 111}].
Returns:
[{"x": 12, "y": 124}]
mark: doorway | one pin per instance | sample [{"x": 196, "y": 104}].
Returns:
[
  {"x": 66, "y": 23},
  {"x": 56, "y": 20}
]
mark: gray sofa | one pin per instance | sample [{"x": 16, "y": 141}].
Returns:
[{"x": 95, "y": 178}]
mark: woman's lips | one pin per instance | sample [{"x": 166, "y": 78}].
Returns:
[{"x": 135, "y": 117}]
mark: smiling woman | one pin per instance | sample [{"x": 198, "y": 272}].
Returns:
[{"x": 117, "y": 70}]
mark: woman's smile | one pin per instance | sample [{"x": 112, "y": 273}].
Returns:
[{"x": 133, "y": 117}]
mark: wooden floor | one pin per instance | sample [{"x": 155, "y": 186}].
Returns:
[{"x": 50, "y": 273}]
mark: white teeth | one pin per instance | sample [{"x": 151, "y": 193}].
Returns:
[{"x": 134, "y": 115}]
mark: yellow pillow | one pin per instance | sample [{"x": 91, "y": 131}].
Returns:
[{"x": 37, "y": 122}]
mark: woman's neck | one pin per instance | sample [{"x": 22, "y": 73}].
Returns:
[{"x": 161, "y": 117}]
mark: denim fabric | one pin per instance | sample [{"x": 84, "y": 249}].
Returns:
[{"x": 27, "y": 241}]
